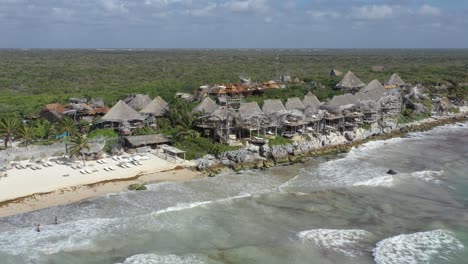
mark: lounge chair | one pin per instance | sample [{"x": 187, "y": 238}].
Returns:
[
  {"x": 110, "y": 168},
  {"x": 82, "y": 172},
  {"x": 139, "y": 163},
  {"x": 88, "y": 171},
  {"x": 39, "y": 168},
  {"x": 127, "y": 165},
  {"x": 106, "y": 169}
]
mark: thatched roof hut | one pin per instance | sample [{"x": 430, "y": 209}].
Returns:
[
  {"x": 374, "y": 90},
  {"x": 121, "y": 112},
  {"x": 145, "y": 140},
  {"x": 395, "y": 80},
  {"x": 294, "y": 103},
  {"x": 223, "y": 113},
  {"x": 138, "y": 101},
  {"x": 335, "y": 72},
  {"x": 310, "y": 100},
  {"x": 340, "y": 102},
  {"x": 157, "y": 108},
  {"x": 207, "y": 106},
  {"x": 248, "y": 110},
  {"x": 350, "y": 82},
  {"x": 272, "y": 106}
]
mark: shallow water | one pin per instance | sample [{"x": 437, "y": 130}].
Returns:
[{"x": 344, "y": 209}]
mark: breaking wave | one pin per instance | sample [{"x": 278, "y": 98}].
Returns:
[
  {"x": 350, "y": 242},
  {"x": 422, "y": 247},
  {"x": 168, "y": 259},
  {"x": 429, "y": 176},
  {"x": 384, "y": 181}
]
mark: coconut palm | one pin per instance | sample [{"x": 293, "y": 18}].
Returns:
[
  {"x": 8, "y": 128},
  {"x": 68, "y": 125},
  {"x": 79, "y": 143},
  {"x": 26, "y": 133}
]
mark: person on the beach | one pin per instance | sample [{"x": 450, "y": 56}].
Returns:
[
  {"x": 56, "y": 221},
  {"x": 38, "y": 228}
]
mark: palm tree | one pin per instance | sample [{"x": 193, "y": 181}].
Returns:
[
  {"x": 8, "y": 128},
  {"x": 68, "y": 125},
  {"x": 78, "y": 144},
  {"x": 26, "y": 133}
]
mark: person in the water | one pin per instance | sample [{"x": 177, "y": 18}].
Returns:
[{"x": 38, "y": 228}]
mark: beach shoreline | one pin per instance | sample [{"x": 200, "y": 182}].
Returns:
[
  {"x": 84, "y": 192},
  {"x": 174, "y": 173}
]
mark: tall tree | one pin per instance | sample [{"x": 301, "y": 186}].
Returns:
[
  {"x": 8, "y": 128},
  {"x": 79, "y": 143},
  {"x": 68, "y": 125},
  {"x": 26, "y": 133}
]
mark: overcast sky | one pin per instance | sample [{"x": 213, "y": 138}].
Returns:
[{"x": 233, "y": 24}]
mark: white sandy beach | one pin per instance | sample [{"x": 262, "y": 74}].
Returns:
[{"x": 26, "y": 182}]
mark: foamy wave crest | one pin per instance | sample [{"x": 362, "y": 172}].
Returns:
[
  {"x": 184, "y": 206},
  {"x": 168, "y": 259},
  {"x": 384, "y": 181},
  {"x": 348, "y": 242},
  {"x": 429, "y": 176},
  {"x": 53, "y": 239},
  {"x": 422, "y": 247}
]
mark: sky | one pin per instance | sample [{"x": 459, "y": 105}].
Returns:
[{"x": 233, "y": 24}]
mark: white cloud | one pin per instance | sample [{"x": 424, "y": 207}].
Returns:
[
  {"x": 62, "y": 13},
  {"x": 373, "y": 12},
  {"x": 429, "y": 10},
  {"x": 322, "y": 15},
  {"x": 114, "y": 5},
  {"x": 259, "y": 6},
  {"x": 204, "y": 11}
]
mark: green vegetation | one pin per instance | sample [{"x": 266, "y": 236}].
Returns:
[
  {"x": 30, "y": 79},
  {"x": 78, "y": 144},
  {"x": 8, "y": 129},
  {"x": 137, "y": 187},
  {"x": 278, "y": 141},
  {"x": 106, "y": 133}
]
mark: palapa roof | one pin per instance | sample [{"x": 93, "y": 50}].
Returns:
[
  {"x": 207, "y": 106},
  {"x": 138, "y": 141},
  {"x": 350, "y": 80},
  {"x": 294, "y": 103},
  {"x": 395, "y": 79},
  {"x": 374, "y": 90},
  {"x": 335, "y": 72},
  {"x": 271, "y": 106},
  {"x": 138, "y": 101},
  {"x": 249, "y": 109},
  {"x": 158, "y": 107},
  {"x": 221, "y": 114},
  {"x": 310, "y": 100},
  {"x": 121, "y": 112},
  {"x": 340, "y": 102}
]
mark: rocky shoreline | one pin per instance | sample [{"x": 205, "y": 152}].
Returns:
[{"x": 256, "y": 157}]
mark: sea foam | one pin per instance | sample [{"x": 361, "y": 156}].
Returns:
[
  {"x": 349, "y": 242},
  {"x": 422, "y": 247},
  {"x": 168, "y": 259},
  {"x": 384, "y": 181}
]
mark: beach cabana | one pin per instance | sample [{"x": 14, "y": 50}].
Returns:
[
  {"x": 395, "y": 81},
  {"x": 251, "y": 118},
  {"x": 207, "y": 106},
  {"x": 156, "y": 109},
  {"x": 152, "y": 141},
  {"x": 123, "y": 117},
  {"x": 374, "y": 90},
  {"x": 350, "y": 83},
  {"x": 272, "y": 108},
  {"x": 137, "y": 101},
  {"x": 294, "y": 103}
]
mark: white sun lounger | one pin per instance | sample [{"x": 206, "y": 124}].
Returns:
[
  {"x": 88, "y": 171},
  {"x": 106, "y": 169},
  {"x": 127, "y": 165},
  {"x": 82, "y": 172},
  {"x": 110, "y": 168}
]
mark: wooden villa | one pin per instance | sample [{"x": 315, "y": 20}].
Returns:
[
  {"x": 350, "y": 83},
  {"x": 154, "y": 110},
  {"x": 121, "y": 117},
  {"x": 272, "y": 108},
  {"x": 251, "y": 118}
]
